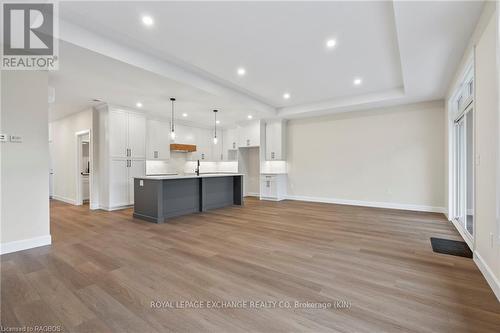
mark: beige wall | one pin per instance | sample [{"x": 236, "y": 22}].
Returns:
[
  {"x": 392, "y": 157},
  {"x": 486, "y": 108},
  {"x": 24, "y": 166},
  {"x": 63, "y": 151},
  {"x": 487, "y": 244}
]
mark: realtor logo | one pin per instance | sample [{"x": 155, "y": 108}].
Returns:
[{"x": 29, "y": 36}]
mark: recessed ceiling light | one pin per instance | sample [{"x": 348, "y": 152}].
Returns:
[
  {"x": 138, "y": 104},
  {"x": 331, "y": 43},
  {"x": 286, "y": 95},
  {"x": 147, "y": 20},
  {"x": 184, "y": 114},
  {"x": 217, "y": 122},
  {"x": 249, "y": 116},
  {"x": 357, "y": 81},
  {"x": 241, "y": 71}
]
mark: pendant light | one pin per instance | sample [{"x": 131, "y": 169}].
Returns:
[
  {"x": 215, "y": 127},
  {"x": 172, "y": 128}
]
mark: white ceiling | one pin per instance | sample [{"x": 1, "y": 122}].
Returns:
[
  {"x": 403, "y": 51},
  {"x": 84, "y": 75}
]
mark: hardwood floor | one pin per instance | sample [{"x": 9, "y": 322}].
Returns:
[{"x": 105, "y": 268}]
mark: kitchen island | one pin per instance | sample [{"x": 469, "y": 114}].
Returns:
[{"x": 157, "y": 198}]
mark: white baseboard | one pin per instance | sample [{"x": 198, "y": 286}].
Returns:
[
  {"x": 389, "y": 205},
  {"x": 488, "y": 274},
  {"x": 252, "y": 194},
  {"x": 110, "y": 209},
  {"x": 463, "y": 234},
  {"x": 25, "y": 244},
  {"x": 64, "y": 199}
]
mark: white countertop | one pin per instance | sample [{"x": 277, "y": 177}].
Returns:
[{"x": 208, "y": 175}]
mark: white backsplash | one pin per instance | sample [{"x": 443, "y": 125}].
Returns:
[{"x": 179, "y": 165}]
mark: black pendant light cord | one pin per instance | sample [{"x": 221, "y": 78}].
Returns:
[
  {"x": 215, "y": 124},
  {"x": 172, "y": 127}
]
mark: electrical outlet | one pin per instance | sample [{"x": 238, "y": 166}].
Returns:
[
  {"x": 492, "y": 240},
  {"x": 478, "y": 159}
]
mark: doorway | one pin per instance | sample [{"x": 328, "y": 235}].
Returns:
[
  {"x": 464, "y": 174},
  {"x": 83, "y": 167}
]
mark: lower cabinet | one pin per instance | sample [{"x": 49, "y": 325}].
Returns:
[
  {"x": 121, "y": 181},
  {"x": 273, "y": 187}
]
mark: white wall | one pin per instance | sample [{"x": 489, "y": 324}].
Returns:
[
  {"x": 487, "y": 244},
  {"x": 24, "y": 166},
  {"x": 390, "y": 157},
  {"x": 483, "y": 45},
  {"x": 64, "y": 153}
]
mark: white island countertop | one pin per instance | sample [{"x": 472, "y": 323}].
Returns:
[{"x": 207, "y": 175}]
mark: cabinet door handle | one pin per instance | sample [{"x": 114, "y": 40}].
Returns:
[
  {"x": 272, "y": 155},
  {"x": 268, "y": 183},
  {"x": 248, "y": 142},
  {"x": 202, "y": 156},
  {"x": 156, "y": 154},
  {"x": 234, "y": 145}
]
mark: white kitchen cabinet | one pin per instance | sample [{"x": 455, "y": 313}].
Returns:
[
  {"x": 121, "y": 181},
  {"x": 127, "y": 134},
  {"x": 273, "y": 187},
  {"x": 275, "y": 140},
  {"x": 137, "y": 135},
  {"x": 118, "y": 134},
  {"x": 158, "y": 140},
  {"x": 118, "y": 183},
  {"x": 249, "y": 134},
  {"x": 230, "y": 145},
  {"x": 121, "y": 140},
  {"x": 231, "y": 139},
  {"x": 203, "y": 139}
]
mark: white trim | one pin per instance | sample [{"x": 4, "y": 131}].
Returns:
[
  {"x": 64, "y": 199},
  {"x": 25, "y": 244},
  {"x": 110, "y": 209},
  {"x": 488, "y": 275},
  {"x": 463, "y": 233},
  {"x": 78, "y": 136},
  {"x": 389, "y": 205},
  {"x": 252, "y": 194}
]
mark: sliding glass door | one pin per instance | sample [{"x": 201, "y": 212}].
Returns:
[{"x": 464, "y": 172}]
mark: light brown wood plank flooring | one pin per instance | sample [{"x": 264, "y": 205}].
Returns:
[{"x": 104, "y": 269}]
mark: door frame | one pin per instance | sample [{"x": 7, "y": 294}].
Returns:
[
  {"x": 79, "y": 136},
  {"x": 462, "y": 117}
]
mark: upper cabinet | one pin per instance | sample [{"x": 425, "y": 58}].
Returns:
[
  {"x": 275, "y": 140},
  {"x": 230, "y": 139},
  {"x": 158, "y": 140},
  {"x": 127, "y": 134},
  {"x": 230, "y": 145},
  {"x": 249, "y": 134},
  {"x": 204, "y": 142}
]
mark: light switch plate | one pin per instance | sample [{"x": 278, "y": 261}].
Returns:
[
  {"x": 141, "y": 182},
  {"x": 16, "y": 138}
]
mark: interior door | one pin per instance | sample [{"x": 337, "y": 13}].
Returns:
[{"x": 137, "y": 169}]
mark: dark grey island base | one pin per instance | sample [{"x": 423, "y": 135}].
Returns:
[{"x": 158, "y": 198}]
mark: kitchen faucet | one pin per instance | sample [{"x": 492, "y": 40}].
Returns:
[{"x": 197, "y": 170}]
